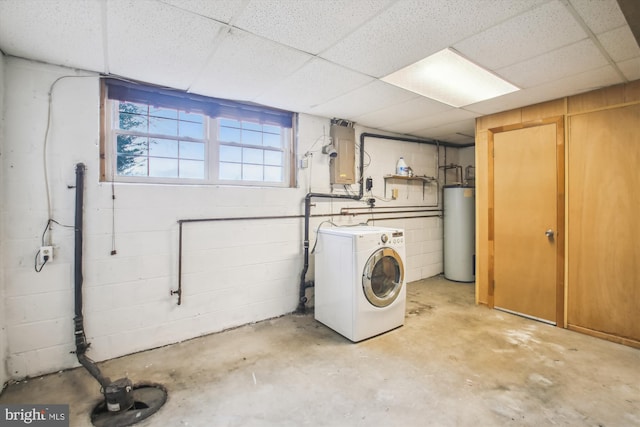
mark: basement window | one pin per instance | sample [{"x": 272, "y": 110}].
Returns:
[{"x": 156, "y": 135}]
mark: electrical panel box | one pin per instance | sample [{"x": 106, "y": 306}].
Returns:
[{"x": 342, "y": 168}]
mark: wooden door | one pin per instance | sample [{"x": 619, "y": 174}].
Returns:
[{"x": 527, "y": 233}]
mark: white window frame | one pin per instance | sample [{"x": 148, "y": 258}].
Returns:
[
  {"x": 211, "y": 156},
  {"x": 287, "y": 154}
]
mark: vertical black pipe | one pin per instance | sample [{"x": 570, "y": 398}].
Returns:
[
  {"x": 81, "y": 340},
  {"x": 307, "y": 213},
  {"x": 80, "y": 344},
  {"x": 179, "y": 290}
]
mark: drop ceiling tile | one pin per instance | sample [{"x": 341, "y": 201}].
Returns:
[
  {"x": 308, "y": 25},
  {"x": 528, "y": 35},
  {"x": 451, "y": 138},
  {"x": 220, "y": 10},
  {"x": 432, "y": 121},
  {"x": 412, "y": 29},
  {"x": 563, "y": 62},
  {"x": 630, "y": 68},
  {"x": 158, "y": 43},
  {"x": 398, "y": 113},
  {"x": 620, "y": 44},
  {"x": 369, "y": 98},
  {"x": 460, "y": 132},
  {"x": 244, "y": 66},
  {"x": 599, "y": 15},
  {"x": 46, "y": 31},
  {"x": 317, "y": 82},
  {"x": 583, "y": 82}
]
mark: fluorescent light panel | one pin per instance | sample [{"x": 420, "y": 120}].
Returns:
[{"x": 449, "y": 78}]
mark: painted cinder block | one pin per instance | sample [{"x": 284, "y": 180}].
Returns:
[{"x": 234, "y": 272}]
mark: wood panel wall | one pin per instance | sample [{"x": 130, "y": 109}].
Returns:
[{"x": 617, "y": 287}]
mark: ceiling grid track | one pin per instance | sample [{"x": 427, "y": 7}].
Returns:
[{"x": 594, "y": 39}]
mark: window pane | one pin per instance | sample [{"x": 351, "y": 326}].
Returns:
[
  {"x": 273, "y": 158},
  {"x": 250, "y": 137},
  {"x": 191, "y": 130},
  {"x": 252, "y": 155},
  {"x": 273, "y": 174},
  {"x": 132, "y": 145},
  {"x": 272, "y": 140},
  {"x": 252, "y": 172},
  {"x": 272, "y": 129},
  {"x": 191, "y": 169},
  {"x": 230, "y": 154},
  {"x": 165, "y": 168},
  {"x": 134, "y": 122},
  {"x": 163, "y": 112},
  {"x": 132, "y": 166},
  {"x": 132, "y": 107},
  {"x": 229, "y": 134},
  {"x": 252, "y": 126},
  {"x": 191, "y": 117},
  {"x": 230, "y": 171},
  {"x": 191, "y": 150},
  {"x": 229, "y": 123},
  {"x": 163, "y": 147},
  {"x": 163, "y": 126}
]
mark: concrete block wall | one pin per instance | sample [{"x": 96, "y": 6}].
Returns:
[
  {"x": 234, "y": 272},
  {"x": 3, "y": 330}
]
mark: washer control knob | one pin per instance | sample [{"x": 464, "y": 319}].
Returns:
[{"x": 384, "y": 238}]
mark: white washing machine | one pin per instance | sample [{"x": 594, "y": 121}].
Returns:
[{"x": 360, "y": 288}]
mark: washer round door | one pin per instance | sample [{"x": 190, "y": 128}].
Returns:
[{"x": 382, "y": 277}]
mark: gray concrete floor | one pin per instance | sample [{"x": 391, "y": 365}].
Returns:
[{"x": 452, "y": 364}]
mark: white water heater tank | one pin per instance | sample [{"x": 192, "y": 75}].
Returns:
[{"x": 459, "y": 233}]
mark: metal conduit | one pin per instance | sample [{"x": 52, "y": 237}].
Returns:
[
  {"x": 347, "y": 212},
  {"x": 178, "y": 291},
  {"x": 403, "y": 217},
  {"x": 355, "y": 208}
]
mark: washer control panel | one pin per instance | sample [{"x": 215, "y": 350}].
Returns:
[{"x": 396, "y": 237}]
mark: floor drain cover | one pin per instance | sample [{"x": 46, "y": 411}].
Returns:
[{"x": 148, "y": 398}]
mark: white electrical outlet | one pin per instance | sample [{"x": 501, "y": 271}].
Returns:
[
  {"x": 304, "y": 162},
  {"x": 46, "y": 254}
]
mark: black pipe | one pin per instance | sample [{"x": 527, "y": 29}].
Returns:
[
  {"x": 81, "y": 340},
  {"x": 390, "y": 211},
  {"x": 307, "y": 207},
  {"x": 178, "y": 291},
  {"x": 403, "y": 217},
  {"x": 369, "y": 209},
  {"x": 242, "y": 218}
]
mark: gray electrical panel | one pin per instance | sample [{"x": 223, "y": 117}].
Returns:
[{"x": 342, "y": 168}]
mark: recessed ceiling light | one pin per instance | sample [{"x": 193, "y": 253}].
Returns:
[{"x": 449, "y": 78}]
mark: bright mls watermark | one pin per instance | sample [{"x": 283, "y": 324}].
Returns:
[{"x": 34, "y": 415}]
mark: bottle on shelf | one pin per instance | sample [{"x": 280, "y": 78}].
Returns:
[{"x": 401, "y": 167}]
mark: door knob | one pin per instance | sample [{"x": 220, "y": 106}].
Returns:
[{"x": 549, "y": 233}]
